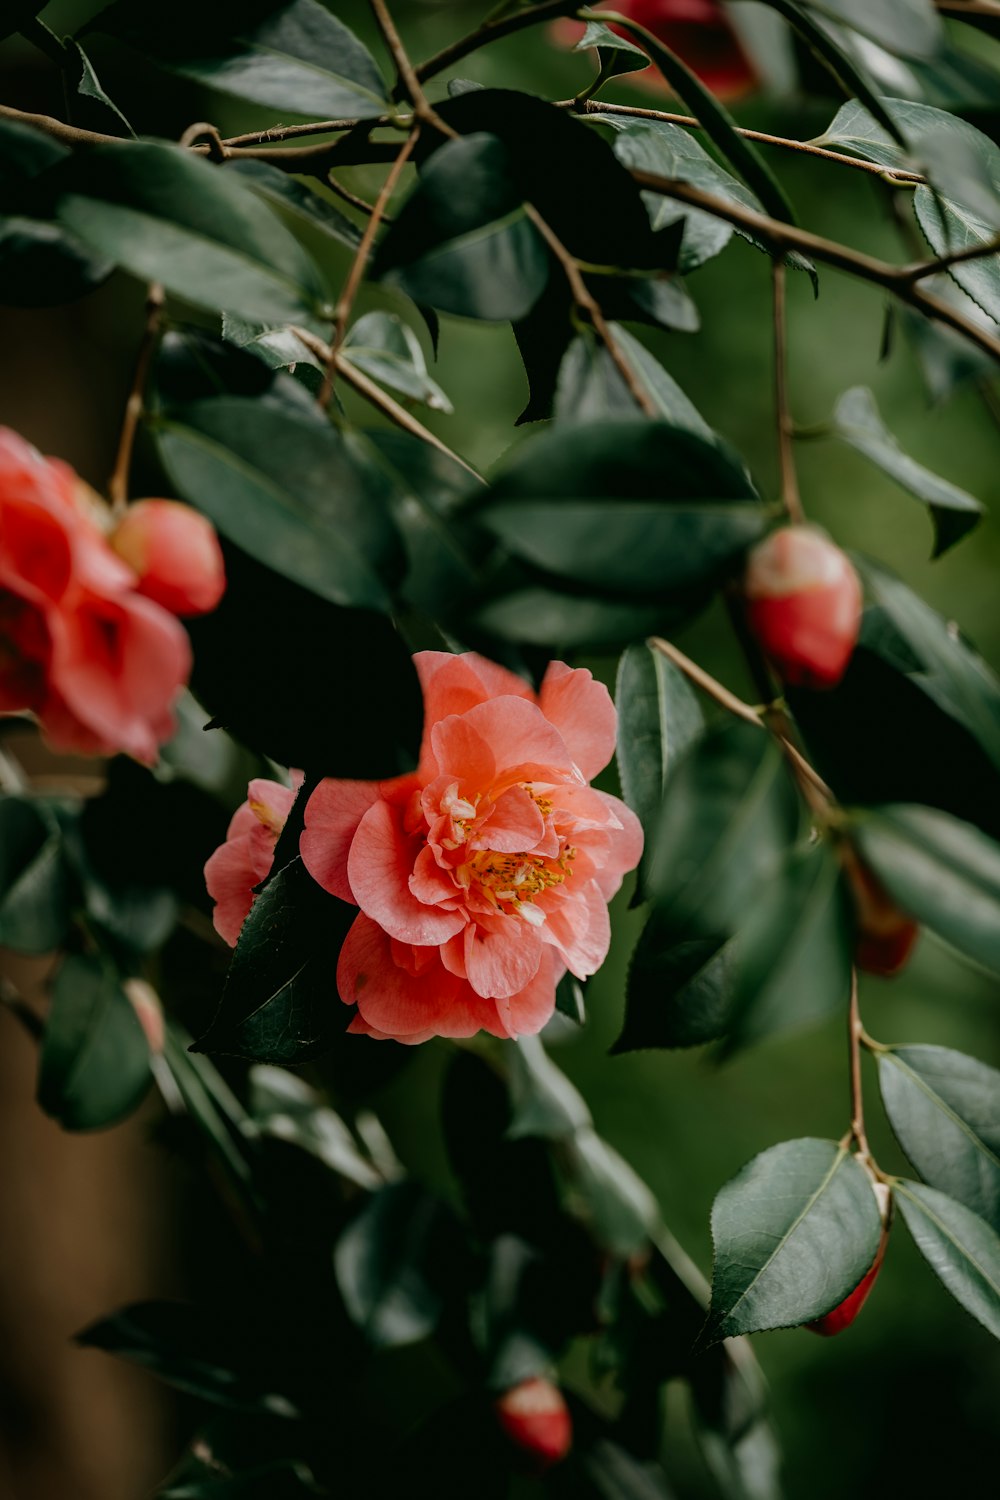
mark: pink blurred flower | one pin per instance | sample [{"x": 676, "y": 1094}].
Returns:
[
  {"x": 697, "y": 30},
  {"x": 485, "y": 875},
  {"x": 245, "y": 858},
  {"x": 174, "y": 553},
  {"x": 98, "y": 664}
]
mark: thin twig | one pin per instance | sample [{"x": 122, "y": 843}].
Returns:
[
  {"x": 854, "y": 1035},
  {"x": 953, "y": 258},
  {"x": 900, "y": 280},
  {"x": 960, "y": 8},
  {"x": 359, "y": 264},
  {"x": 790, "y": 497},
  {"x": 807, "y": 148},
  {"x": 491, "y": 31},
  {"x": 118, "y": 483},
  {"x": 361, "y": 204},
  {"x": 409, "y": 83},
  {"x": 312, "y": 127},
  {"x": 706, "y": 682}
]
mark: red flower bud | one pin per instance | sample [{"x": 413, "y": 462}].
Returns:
[
  {"x": 803, "y": 606},
  {"x": 845, "y": 1312},
  {"x": 175, "y": 553},
  {"x": 535, "y": 1418},
  {"x": 149, "y": 1012},
  {"x": 886, "y": 936}
]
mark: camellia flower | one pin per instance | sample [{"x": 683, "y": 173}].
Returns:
[
  {"x": 485, "y": 875},
  {"x": 698, "y": 31},
  {"x": 245, "y": 858},
  {"x": 98, "y": 663}
]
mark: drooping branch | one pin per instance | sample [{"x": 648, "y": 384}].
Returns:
[{"x": 790, "y": 497}]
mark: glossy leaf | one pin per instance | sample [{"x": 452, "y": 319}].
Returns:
[
  {"x": 680, "y": 989},
  {"x": 166, "y": 215},
  {"x": 591, "y": 386},
  {"x": 658, "y": 718},
  {"x": 911, "y": 28},
  {"x": 89, "y": 86},
  {"x": 395, "y": 1263},
  {"x": 953, "y": 510},
  {"x": 94, "y": 1064},
  {"x": 389, "y": 351},
  {"x": 616, "y": 54},
  {"x": 713, "y": 117},
  {"x": 295, "y": 56},
  {"x": 462, "y": 242},
  {"x": 941, "y": 871},
  {"x": 794, "y": 1233},
  {"x": 287, "y": 1108},
  {"x": 793, "y": 954},
  {"x": 835, "y": 50},
  {"x": 36, "y": 885},
  {"x": 309, "y": 214},
  {"x": 544, "y": 1101},
  {"x": 280, "y": 1002},
  {"x": 945, "y": 1110},
  {"x": 957, "y": 1245},
  {"x": 289, "y": 486}
]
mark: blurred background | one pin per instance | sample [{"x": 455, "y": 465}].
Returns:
[{"x": 906, "y": 1400}]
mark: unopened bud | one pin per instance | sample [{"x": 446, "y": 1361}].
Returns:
[
  {"x": 803, "y": 606},
  {"x": 534, "y": 1417},
  {"x": 886, "y": 936},
  {"x": 843, "y": 1315},
  {"x": 146, "y": 1004}
]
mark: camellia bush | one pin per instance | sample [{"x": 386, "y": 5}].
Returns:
[{"x": 353, "y": 800}]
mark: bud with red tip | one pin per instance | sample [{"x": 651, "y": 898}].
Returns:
[
  {"x": 886, "y": 936},
  {"x": 803, "y": 605},
  {"x": 175, "y": 554},
  {"x": 146, "y": 1004},
  {"x": 843, "y": 1315},
  {"x": 534, "y": 1417}
]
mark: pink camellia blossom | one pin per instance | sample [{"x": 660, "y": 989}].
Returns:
[
  {"x": 485, "y": 875},
  {"x": 99, "y": 665},
  {"x": 174, "y": 553},
  {"x": 698, "y": 31},
  {"x": 245, "y": 858}
]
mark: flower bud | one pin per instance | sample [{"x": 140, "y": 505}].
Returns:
[
  {"x": 803, "y": 606},
  {"x": 146, "y": 1004},
  {"x": 845, "y": 1312},
  {"x": 175, "y": 553},
  {"x": 535, "y": 1418},
  {"x": 886, "y": 936}
]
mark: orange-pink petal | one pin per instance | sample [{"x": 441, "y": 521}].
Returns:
[{"x": 379, "y": 867}]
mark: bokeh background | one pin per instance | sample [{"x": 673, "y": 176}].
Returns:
[{"x": 906, "y": 1401}]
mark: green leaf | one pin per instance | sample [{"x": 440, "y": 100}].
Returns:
[
  {"x": 292, "y": 57},
  {"x": 288, "y": 1109},
  {"x": 185, "y": 1346},
  {"x": 591, "y": 387},
  {"x": 94, "y": 1064},
  {"x": 944, "y": 873},
  {"x": 794, "y": 1233},
  {"x": 906, "y": 28},
  {"x": 658, "y": 718},
  {"x": 89, "y": 85},
  {"x": 961, "y": 1250},
  {"x": 713, "y": 117},
  {"x": 680, "y": 989},
  {"x": 166, "y": 215},
  {"x": 562, "y": 622},
  {"x": 36, "y": 887},
  {"x": 277, "y": 348},
  {"x": 793, "y": 954},
  {"x": 396, "y": 1263},
  {"x": 543, "y": 1100},
  {"x": 624, "y": 507},
  {"x": 838, "y": 57},
  {"x": 280, "y": 1480},
  {"x": 857, "y": 422},
  {"x": 462, "y": 241},
  {"x": 389, "y": 351},
  {"x": 951, "y": 226},
  {"x": 571, "y": 999},
  {"x": 616, "y": 54},
  {"x": 300, "y": 206},
  {"x": 730, "y": 812},
  {"x": 280, "y": 1002},
  {"x": 945, "y": 1110},
  {"x": 290, "y": 487}
]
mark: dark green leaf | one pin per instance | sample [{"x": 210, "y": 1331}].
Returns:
[
  {"x": 541, "y": 616},
  {"x": 277, "y": 348},
  {"x": 396, "y": 1262},
  {"x": 214, "y": 1109},
  {"x": 794, "y": 1233},
  {"x": 616, "y": 54},
  {"x": 907, "y": 28},
  {"x": 18, "y": 13},
  {"x": 962, "y": 1250},
  {"x": 290, "y": 487},
  {"x": 834, "y": 51},
  {"x": 658, "y": 718},
  {"x": 591, "y": 386},
  {"x": 544, "y": 1101},
  {"x": 184, "y": 1346},
  {"x": 713, "y": 117},
  {"x": 272, "y": 1481},
  {"x": 36, "y": 887},
  {"x": 89, "y": 86},
  {"x": 941, "y": 871},
  {"x": 94, "y": 1065},
  {"x": 945, "y": 1110},
  {"x": 571, "y": 999},
  {"x": 462, "y": 241},
  {"x": 280, "y": 1003},
  {"x": 680, "y": 990},
  {"x": 624, "y": 507},
  {"x": 857, "y": 423},
  {"x": 301, "y": 206},
  {"x": 950, "y": 226},
  {"x": 292, "y": 56},
  {"x": 286, "y": 1107},
  {"x": 166, "y": 215},
  {"x": 793, "y": 955},
  {"x": 947, "y": 358},
  {"x": 389, "y": 351}
]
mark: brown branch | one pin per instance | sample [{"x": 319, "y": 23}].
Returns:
[
  {"x": 790, "y": 497},
  {"x": 961, "y": 8},
  {"x": 409, "y": 83},
  {"x": 355, "y": 275},
  {"x": 954, "y": 258},
  {"x": 855, "y": 1034},
  {"x": 491, "y": 31},
  {"x": 807, "y": 148},
  {"x": 118, "y": 483},
  {"x": 313, "y": 127},
  {"x": 70, "y": 135},
  {"x": 345, "y": 194},
  {"x": 902, "y": 281}
]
